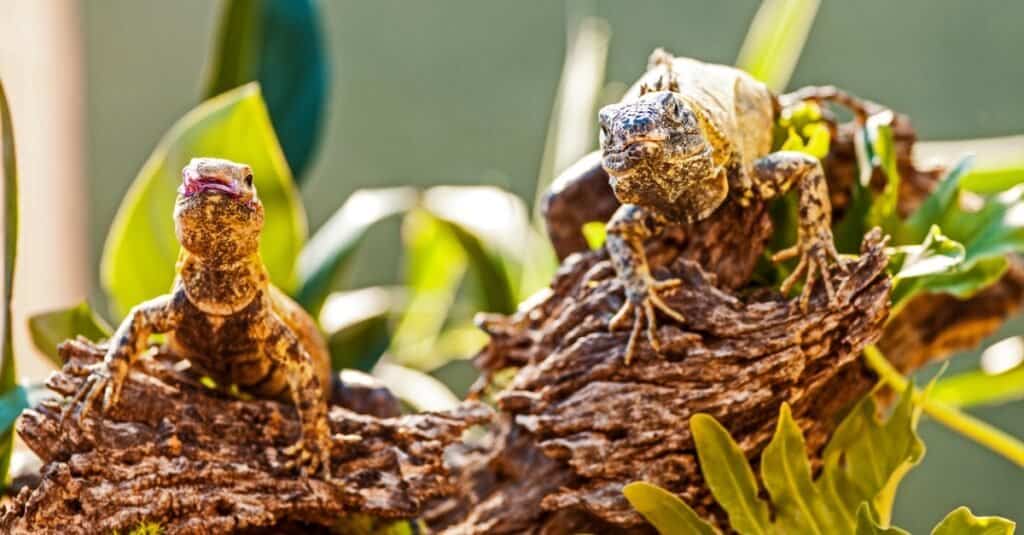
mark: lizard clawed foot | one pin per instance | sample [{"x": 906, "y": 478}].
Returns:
[
  {"x": 641, "y": 301},
  {"x": 815, "y": 257},
  {"x": 101, "y": 379}
]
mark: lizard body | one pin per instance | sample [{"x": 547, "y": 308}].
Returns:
[
  {"x": 224, "y": 315},
  {"x": 686, "y": 138}
]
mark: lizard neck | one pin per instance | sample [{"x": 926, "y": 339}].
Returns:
[{"x": 221, "y": 288}]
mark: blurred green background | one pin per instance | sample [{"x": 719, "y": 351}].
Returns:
[{"x": 460, "y": 93}]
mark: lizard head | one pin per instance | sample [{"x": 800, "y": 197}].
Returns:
[
  {"x": 217, "y": 215},
  {"x": 657, "y": 156}
]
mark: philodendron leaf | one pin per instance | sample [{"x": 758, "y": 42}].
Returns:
[
  {"x": 962, "y": 522},
  {"x": 665, "y": 511},
  {"x": 278, "y": 43},
  {"x": 729, "y": 476},
  {"x": 51, "y": 328},
  {"x": 141, "y": 248},
  {"x": 863, "y": 462},
  {"x": 331, "y": 249},
  {"x": 867, "y": 525},
  {"x": 10, "y": 222}
]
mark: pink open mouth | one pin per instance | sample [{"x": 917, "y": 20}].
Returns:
[{"x": 193, "y": 183}]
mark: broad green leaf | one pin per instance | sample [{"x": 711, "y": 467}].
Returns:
[
  {"x": 330, "y": 250},
  {"x": 962, "y": 284},
  {"x": 883, "y": 208},
  {"x": 595, "y": 232},
  {"x": 278, "y": 43},
  {"x": 937, "y": 204},
  {"x": 937, "y": 254},
  {"x": 962, "y": 522},
  {"x": 786, "y": 474},
  {"x": 994, "y": 179},
  {"x": 866, "y": 524},
  {"x": 51, "y": 328},
  {"x": 969, "y": 389},
  {"x": 10, "y": 219},
  {"x": 435, "y": 266},
  {"x": 356, "y": 323},
  {"x": 141, "y": 248},
  {"x": 775, "y": 40},
  {"x": 665, "y": 511},
  {"x": 729, "y": 476}
]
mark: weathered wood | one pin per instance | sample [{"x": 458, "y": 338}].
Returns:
[{"x": 197, "y": 461}]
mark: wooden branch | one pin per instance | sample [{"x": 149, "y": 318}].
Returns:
[{"x": 197, "y": 461}]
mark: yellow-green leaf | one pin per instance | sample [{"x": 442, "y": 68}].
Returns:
[
  {"x": 962, "y": 522},
  {"x": 729, "y": 476},
  {"x": 595, "y": 232},
  {"x": 775, "y": 40},
  {"x": 866, "y": 524},
  {"x": 665, "y": 511},
  {"x": 141, "y": 249},
  {"x": 786, "y": 474},
  {"x": 10, "y": 222},
  {"x": 51, "y": 328}
]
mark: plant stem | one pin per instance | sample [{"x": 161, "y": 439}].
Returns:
[{"x": 981, "y": 432}]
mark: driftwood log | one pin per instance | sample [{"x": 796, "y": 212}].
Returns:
[
  {"x": 194, "y": 460},
  {"x": 577, "y": 425}
]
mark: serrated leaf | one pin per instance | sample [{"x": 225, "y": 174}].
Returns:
[
  {"x": 665, "y": 511},
  {"x": 775, "y": 40},
  {"x": 867, "y": 525},
  {"x": 278, "y": 43},
  {"x": 330, "y": 251},
  {"x": 49, "y": 329},
  {"x": 729, "y": 476},
  {"x": 8, "y": 382},
  {"x": 141, "y": 248},
  {"x": 786, "y": 474},
  {"x": 595, "y": 232},
  {"x": 962, "y": 522}
]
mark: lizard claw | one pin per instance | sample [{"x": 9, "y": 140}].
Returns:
[
  {"x": 815, "y": 258},
  {"x": 312, "y": 458},
  {"x": 101, "y": 379},
  {"x": 641, "y": 301}
]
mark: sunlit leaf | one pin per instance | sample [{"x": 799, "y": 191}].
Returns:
[
  {"x": 776, "y": 39},
  {"x": 356, "y": 323},
  {"x": 10, "y": 218},
  {"x": 994, "y": 180},
  {"x": 665, "y": 511},
  {"x": 330, "y": 250},
  {"x": 595, "y": 232},
  {"x": 49, "y": 329},
  {"x": 729, "y": 476},
  {"x": 937, "y": 254},
  {"x": 867, "y": 525},
  {"x": 969, "y": 389},
  {"x": 962, "y": 522},
  {"x": 937, "y": 204},
  {"x": 415, "y": 388},
  {"x": 786, "y": 474},
  {"x": 883, "y": 207},
  {"x": 278, "y": 43},
  {"x": 141, "y": 248}
]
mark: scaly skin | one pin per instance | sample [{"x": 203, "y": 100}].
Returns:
[
  {"x": 685, "y": 138},
  {"x": 225, "y": 316}
]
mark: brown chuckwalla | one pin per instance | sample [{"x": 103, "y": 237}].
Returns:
[
  {"x": 224, "y": 315},
  {"x": 687, "y": 137}
]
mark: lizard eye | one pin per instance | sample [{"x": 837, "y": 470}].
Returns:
[{"x": 248, "y": 180}]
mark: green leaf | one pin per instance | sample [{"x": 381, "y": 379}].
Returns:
[
  {"x": 595, "y": 232},
  {"x": 357, "y": 326},
  {"x": 776, "y": 39},
  {"x": 10, "y": 218},
  {"x": 962, "y": 522},
  {"x": 883, "y": 208},
  {"x": 330, "y": 251},
  {"x": 962, "y": 284},
  {"x": 866, "y": 524},
  {"x": 141, "y": 249},
  {"x": 729, "y": 476},
  {"x": 786, "y": 474},
  {"x": 937, "y": 204},
  {"x": 51, "y": 328},
  {"x": 278, "y": 43},
  {"x": 994, "y": 179},
  {"x": 12, "y": 402},
  {"x": 938, "y": 254},
  {"x": 665, "y": 511},
  {"x": 969, "y": 389}
]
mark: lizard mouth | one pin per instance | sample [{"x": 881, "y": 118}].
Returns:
[
  {"x": 620, "y": 159},
  {"x": 193, "y": 183}
]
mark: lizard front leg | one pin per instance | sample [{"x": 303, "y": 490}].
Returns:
[
  {"x": 105, "y": 378},
  {"x": 627, "y": 231},
  {"x": 312, "y": 452},
  {"x": 774, "y": 175}
]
